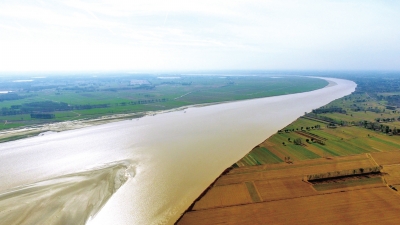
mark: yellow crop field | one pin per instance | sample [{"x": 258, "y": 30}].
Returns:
[
  {"x": 278, "y": 189},
  {"x": 392, "y": 174},
  {"x": 227, "y": 195},
  {"x": 386, "y": 158},
  {"x": 294, "y": 170},
  {"x": 365, "y": 206}
]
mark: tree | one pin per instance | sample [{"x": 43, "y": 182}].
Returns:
[{"x": 298, "y": 141}]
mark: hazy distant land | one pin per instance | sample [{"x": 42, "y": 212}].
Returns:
[{"x": 42, "y": 103}]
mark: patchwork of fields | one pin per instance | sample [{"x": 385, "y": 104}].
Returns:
[
  {"x": 278, "y": 194},
  {"x": 340, "y": 141},
  {"x": 329, "y": 169}
]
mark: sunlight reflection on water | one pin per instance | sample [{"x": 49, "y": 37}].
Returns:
[{"x": 176, "y": 155}]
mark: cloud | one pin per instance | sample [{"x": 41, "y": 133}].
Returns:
[{"x": 114, "y": 35}]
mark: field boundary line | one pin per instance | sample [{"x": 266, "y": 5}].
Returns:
[{"x": 372, "y": 158}]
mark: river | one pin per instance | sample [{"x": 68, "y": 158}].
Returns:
[{"x": 149, "y": 169}]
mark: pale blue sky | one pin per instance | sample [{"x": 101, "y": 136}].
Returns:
[{"x": 72, "y": 35}]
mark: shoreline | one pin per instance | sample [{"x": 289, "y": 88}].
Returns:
[
  {"x": 213, "y": 141},
  {"x": 48, "y": 128},
  {"x": 228, "y": 169}
]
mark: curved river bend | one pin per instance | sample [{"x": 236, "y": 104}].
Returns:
[{"x": 149, "y": 169}]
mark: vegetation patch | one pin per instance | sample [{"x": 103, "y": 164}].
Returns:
[
  {"x": 63, "y": 98},
  {"x": 348, "y": 181},
  {"x": 342, "y": 173}
]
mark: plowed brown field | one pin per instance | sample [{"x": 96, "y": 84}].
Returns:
[
  {"x": 222, "y": 196},
  {"x": 366, "y": 206},
  {"x": 393, "y": 174},
  {"x": 276, "y": 194},
  {"x": 386, "y": 158}
]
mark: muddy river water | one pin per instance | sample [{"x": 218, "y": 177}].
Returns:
[{"x": 140, "y": 171}]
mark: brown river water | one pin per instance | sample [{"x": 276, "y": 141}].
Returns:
[{"x": 140, "y": 171}]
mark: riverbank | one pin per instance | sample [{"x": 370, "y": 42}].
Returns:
[
  {"x": 313, "y": 164},
  {"x": 35, "y": 130},
  {"x": 202, "y": 140},
  {"x": 50, "y": 100}
]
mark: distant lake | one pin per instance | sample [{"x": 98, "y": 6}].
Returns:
[{"x": 167, "y": 160}]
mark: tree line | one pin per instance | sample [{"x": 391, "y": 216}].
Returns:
[{"x": 50, "y": 106}]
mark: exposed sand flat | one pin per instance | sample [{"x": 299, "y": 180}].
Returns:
[{"x": 69, "y": 199}]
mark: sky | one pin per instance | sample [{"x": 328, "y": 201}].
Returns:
[{"x": 162, "y": 35}]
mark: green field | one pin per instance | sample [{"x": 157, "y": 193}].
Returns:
[
  {"x": 63, "y": 98},
  {"x": 325, "y": 133}
]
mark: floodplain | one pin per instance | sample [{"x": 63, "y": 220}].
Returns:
[
  {"x": 100, "y": 98},
  {"x": 63, "y": 98}
]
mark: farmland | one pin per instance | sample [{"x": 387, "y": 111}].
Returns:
[
  {"x": 330, "y": 134},
  {"x": 31, "y": 100},
  {"x": 338, "y": 164},
  {"x": 353, "y": 207},
  {"x": 283, "y": 197}
]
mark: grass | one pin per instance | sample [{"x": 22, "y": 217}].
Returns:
[
  {"x": 341, "y": 141},
  {"x": 253, "y": 192},
  {"x": 261, "y": 155},
  {"x": 119, "y": 95}
]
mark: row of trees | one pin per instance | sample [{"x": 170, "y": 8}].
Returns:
[
  {"x": 329, "y": 110},
  {"x": 387, "y": 119},
  {"x": 43, "y": 115},
  {"x": 50, "y": 106},
  {"x": 10, "y": 96},
  {"x": 297, "y": 129},
  {"x": 379, "y": 127}
]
